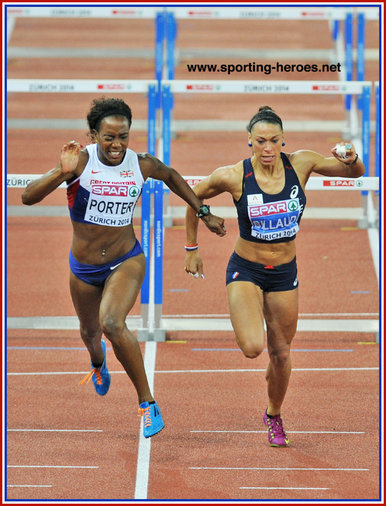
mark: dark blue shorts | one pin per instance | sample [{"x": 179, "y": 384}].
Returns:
[
  {"x": 278, "y": 278},
  {"x": 97, "y": 274}
]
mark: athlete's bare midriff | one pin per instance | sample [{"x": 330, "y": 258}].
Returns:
[
  {"x": 98, "y": 244},
  {"x": 266, "y": 253}
]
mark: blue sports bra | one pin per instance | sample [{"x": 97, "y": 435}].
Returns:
[{"x": 265, "y": 217}]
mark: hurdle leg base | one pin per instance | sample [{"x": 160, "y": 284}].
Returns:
[
  {"x": 363, "y": 223},
  {"x": 159, "y": 335},
  {"x": 143, "y": 335}
]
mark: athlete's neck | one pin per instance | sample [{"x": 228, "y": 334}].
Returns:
[{"x": 269, "y": 169}]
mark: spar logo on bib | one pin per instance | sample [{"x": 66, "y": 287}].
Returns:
[
  {"x": 282, "y": 207},
  {"x": 293, "y": 205},
  {"x": 133, "y": 191},
  {"x": 114, "y": 189}
]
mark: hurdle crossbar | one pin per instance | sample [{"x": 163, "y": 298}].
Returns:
[
  {"x": 314, "y": 183},
  {"x": 268, "y": 86},
  {"x": 306, "y": 13},
  {"x": 63, "y": 11},
  {"x": 78, "y": 85}
]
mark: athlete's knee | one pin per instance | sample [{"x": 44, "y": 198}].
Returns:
[
  {"x": 251, "y": 349},
  {"x": 112, "y": 327},
  {"x": 280, "y": 357},
  {"x": 89, "y": 334}
]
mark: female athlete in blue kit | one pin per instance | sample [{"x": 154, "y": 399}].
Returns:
[
  {"x": 261, "y": 278},
  {"x": 104, "y": 182}
]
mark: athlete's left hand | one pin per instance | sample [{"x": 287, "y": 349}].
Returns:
[{"x": 350, "y": 152}]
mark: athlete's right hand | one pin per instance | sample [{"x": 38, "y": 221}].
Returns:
[
  {"x": 69, "y": 156},
  {"x": 193, "y": 264}
]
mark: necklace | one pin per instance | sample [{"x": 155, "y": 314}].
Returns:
[{"x": 103, "y": 252}]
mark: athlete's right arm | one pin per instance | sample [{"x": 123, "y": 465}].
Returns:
[
  {"x": 68, "y": 167},
  {"x": 218, "y": 182}
]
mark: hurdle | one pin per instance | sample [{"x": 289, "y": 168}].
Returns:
[
  {"x": 256, "y": 13},
  {"x": 94, "y": 12},
  {"x": 343, "y": 45},
  {"x": 365, "y": 183},
  {"x": 148, "y": 87}
]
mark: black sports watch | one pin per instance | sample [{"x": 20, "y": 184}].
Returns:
[{"x": 203, "y": 211}]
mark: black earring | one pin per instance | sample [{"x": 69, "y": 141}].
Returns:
[
  {"x": 250, "y": 144},
  {"x": 283, "y": 143}
]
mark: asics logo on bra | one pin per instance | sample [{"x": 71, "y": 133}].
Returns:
[{"x": 294, "y": 192}]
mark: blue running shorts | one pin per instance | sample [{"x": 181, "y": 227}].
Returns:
[
  {"x": 278, "y": 278},
  {"x": 97, "y": 274}
]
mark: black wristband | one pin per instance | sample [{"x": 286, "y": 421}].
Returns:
[
  {"x": 354, "y": 161},
  {"x": 203, "y": 211}
]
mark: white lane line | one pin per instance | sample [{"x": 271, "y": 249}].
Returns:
[
  {"x": 56, "y": 373},
  {"x": 144, "y": 444},
  {"x": 54, "y": 430},
  {"x": 29, "y": 486},
  {"x": 52, "y": 467},
  {"x": 284, "y": 488},
  {"x": 321, "y": 369},
  {"x": 288, "y": 432},
  {"x": 179, "y": 371},
  {"x": 278, "y": 469}
]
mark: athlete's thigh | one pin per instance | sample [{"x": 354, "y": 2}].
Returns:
[
  {"x": 86, "y": 299},
  {"x": 281, "y": 316},
  {"x": 246, "y": 310},
  {"x": 122, "y": 287}
]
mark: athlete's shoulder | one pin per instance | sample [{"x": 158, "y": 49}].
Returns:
[
  {"x": 147, "y": 160},
  {"x": 303, "y": 155},
  {"x": 228, "y": 176},
  {"x": 229, "y": 171},
  {"x": 302, "y": 162}
]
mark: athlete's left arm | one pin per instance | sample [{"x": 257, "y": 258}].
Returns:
[
  {"x": 153, "y": 167},
  {"x": 335, "y": 166}
]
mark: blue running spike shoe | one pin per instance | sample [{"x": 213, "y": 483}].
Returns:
[
  {"x": 152, "y": 419},
  {"x": 100, "y": 375},
  {"x": 276, "y": 435}
]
